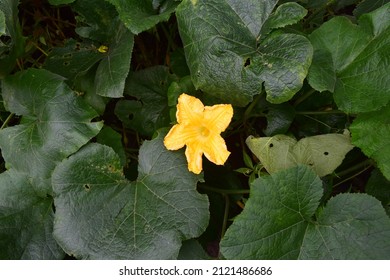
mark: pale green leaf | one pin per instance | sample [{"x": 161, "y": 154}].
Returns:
[
  {"x": 229, "y": 59},
  {"x": 101, "y": 215},
  {"x": 324, "y": 153}
]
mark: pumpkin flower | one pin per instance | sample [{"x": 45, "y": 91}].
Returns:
[{"x": 199, "y": 128}]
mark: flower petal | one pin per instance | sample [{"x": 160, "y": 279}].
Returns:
[
  {"x": 189, "y": 109},
  {"x": 218, "y": 117},
  {"x": 194, "y": 157},
  {"x": 178, "y": 136},
  {"x": 215, "y": 150}
]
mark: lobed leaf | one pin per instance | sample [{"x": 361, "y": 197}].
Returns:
[
  {"x": 278, "y": 223},
  {"x": 351, "y": 61},
  {"x": 55, "y": 123},
  {"x": 101, "y": 215},
  {"x": 228, "y": 57}
]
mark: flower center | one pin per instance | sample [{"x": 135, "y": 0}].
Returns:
[{"x": 204, "y": 131}]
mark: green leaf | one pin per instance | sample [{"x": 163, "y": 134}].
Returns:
[
  {"x": 2, "y": 24},
  {"x": 109, "y": 137},
  {"x": 55, "y": 124},
  {"x": 96, "y": 20},
  {"x": 278, "y": 223},
  {"x": 351, "y": 61},
  {"x": 351, "y": 226},
  {"x": 192, "y": 250},
  {"x": 150, "y": 111},
  {"x": 324, "y": 153},
  {"x": 9, "y": 26},
  {"x": 141, "y": 15},
  {"x": 229, "y": 59},
  {"x": 74, "y": 59},
  {"x": 113, "y": 69},
  {"x": 370, "y": 132},
  {"x": 286, "y": 14},
  {"x": 379, "y": 187},
  {"x": 274, "y": 220},
  {"x": 279, "y": 118},
  {"x": 101, "y": 215},
  {"x": 367, "y": 6},
  {"x": 26, "y": 220}
]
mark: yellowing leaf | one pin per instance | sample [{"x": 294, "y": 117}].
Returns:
[{"x": 324, "y": 153}]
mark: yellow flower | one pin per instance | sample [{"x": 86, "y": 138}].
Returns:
[{"x": 199, "y": 128}]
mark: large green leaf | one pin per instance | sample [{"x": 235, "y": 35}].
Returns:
[
  {"x": 371, "y": 133},
  {"x": 101, "y": 215},
  {"x": 351, "y": 226},
  {"x": 26, "y": 220},
  {"x": 113, "y": 69},
  {"x": 55, "y": 123},
  {"x": 278, "y": 223},
  {"x": 141, "y": 15},
  {"x": 73, "y": 60},
  {"x": 352, "y": 61},
  {"x": 150, "y": 112},
  {"x": 228, "y": 56},
  {"x": 13, "y": 46}
]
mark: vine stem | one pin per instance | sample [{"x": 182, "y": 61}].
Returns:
[
  {"x": 366, "y": 163},
  {"x": 225, "y": 215},
  {"x": 8, "y": 119},
  {"x": 304, "y": 97},
  {"x": 320, "y": 112},
  {"x": 223, "y": 191}
]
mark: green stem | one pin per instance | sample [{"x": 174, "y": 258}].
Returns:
[
  {"x": 351, "y": 177},
  {"x": 225, "y": 215},
  {"x": 251, "y": 106},
  {"x": 304, "y": 97},
  {"x": 222, "y": 191},
  {"x": 364, "y": 164},
  {"x": 5, "y": 123},
  {"x": 320, "y": 112}
]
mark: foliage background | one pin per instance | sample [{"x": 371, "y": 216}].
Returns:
[{"x": 89, "y": 89}]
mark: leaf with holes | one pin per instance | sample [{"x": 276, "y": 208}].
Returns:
[
  {"x": 230, "y": 58},
  {"x": 55, "y": 123},
  {"x": 278, "y": 222},
  {"x": 324, "y": 153},
  {"x": 12, "y": 41},
  {"x": 101, "y": 215}
]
